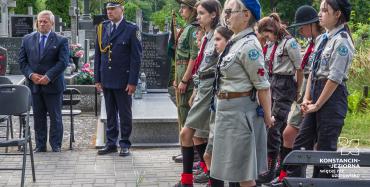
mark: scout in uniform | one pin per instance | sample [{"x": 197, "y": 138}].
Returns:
[
  {"x": 307, "y": 20},
  {"x": 208, "y": 15},
  {"x": 325, "y": 101},
  {"x": 186, "y": 53},
  {"x": 283, "y": 60},
  {"x": 239, "y": 70},
  {"x": 116, "y": 70},
  {"x": 221, "y": 36}
]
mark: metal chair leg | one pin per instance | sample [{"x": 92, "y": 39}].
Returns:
[
  {"x": 11, "y": 127},
  {"x": 7, "y": 134},
  {"x": 32, "y": 160},
  {"x": 24, "y": 164}
]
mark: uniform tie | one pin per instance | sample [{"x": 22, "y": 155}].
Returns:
[
  {"x": 316, "y": 61},
  {"x": 114, "y": 29},
  {"x": 42, "y": 44},
  {"x": 272, "y": 55},
  {"x": 307, "y": 55},
  {"x": 199, "y": 58}
]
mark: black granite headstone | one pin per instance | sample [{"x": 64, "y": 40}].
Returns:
[
  {"x": 3, "y": 63},
  {"x": 12, "y": 45},
  {"x": 155, "y": 63},
  {"x": 21, "y": 25}
]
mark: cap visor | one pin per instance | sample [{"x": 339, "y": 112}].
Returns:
[{"x": 112, "y": 5}]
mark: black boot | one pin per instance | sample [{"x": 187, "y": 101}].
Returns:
[{"x": 269, "y": 175}]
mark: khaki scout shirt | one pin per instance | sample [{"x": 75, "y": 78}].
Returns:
[
  {"x": 187, "y": 48},
  {"x": 287, "y": 57},
  {"x": 242, "y": 68},
  {"x": 336, "y": 57},
  {"x": 210, "y": 57}
]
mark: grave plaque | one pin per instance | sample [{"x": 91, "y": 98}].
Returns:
[
  {"x": 155, "y": 63},
  {"x": 21, "y": 25},
  {"x": 12, "y": 45}
]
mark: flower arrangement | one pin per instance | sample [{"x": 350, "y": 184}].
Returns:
[
  {"x": 86, "y": 75},
  {"x": 76, "y": 51}
]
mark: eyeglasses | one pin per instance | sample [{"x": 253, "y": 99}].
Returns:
[{"x": 228, "y": 12}]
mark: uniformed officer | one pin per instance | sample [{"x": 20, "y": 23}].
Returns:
[
  {"x": 186, "y": 53},
  {"x": 283, "y": 60},
  {"x": 307, "y": 21},
  {"x": 239, "y": 70},
  {"x": 117, "y": 63},
  {"x": 325, "y": 101},
  {"x": 208, "y": 15}
]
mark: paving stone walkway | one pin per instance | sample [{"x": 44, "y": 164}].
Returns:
[{"x": 83, "y": 167}]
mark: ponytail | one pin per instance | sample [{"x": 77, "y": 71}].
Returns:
[{"x": 348, "y": 31}]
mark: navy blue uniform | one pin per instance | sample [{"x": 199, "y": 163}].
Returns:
[
  {"x": 46, "y": 98},
  {"x": 115, "y": 69}
]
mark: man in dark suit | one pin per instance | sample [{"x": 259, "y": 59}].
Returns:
[
  {"x": 117, "y": 63},
  {"x": 43, "y": 58}
]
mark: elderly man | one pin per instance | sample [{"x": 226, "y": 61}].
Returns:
[
  {"x": 117, "y": 64},
  {"x": 43, "y": 58}
]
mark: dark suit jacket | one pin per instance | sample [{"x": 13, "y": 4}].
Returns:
[
  {"x": 52, "y": 62},
  {"x": 125, "y": 61}
]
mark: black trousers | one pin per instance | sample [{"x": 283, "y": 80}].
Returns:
[
  {"x": 118, "y": 103},
  {"x": 283, "y": 92},
  {"x": 322, "y": 127}
]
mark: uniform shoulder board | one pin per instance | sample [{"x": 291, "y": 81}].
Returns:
[
  {"x": 105, "y": 22},
  {"x": 344, "y": 35}
]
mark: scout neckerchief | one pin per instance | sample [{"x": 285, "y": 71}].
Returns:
[
  {"x": 307, "y": 55},
  {"x": 271, "y": 60},
  {"x": 216, "y": 82},
  {"x": 320, "y": 49},
  {"x": 199, "y": 58}
]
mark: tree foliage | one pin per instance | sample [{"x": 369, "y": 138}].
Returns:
[{"x": 60, "y": 8}]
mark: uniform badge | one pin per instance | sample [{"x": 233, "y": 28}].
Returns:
[
  {"x": 253, "y": 54},
  {"x": 342, "y": 50},
  {"x": 195, "y": 34},
  {"x": 261, "y": 72},
  {"x": 294, "y": 45}
]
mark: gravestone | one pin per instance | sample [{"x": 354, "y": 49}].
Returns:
[
  {"x": 21, "y": 25},
  {"x": 3, "y": 63},
  {"x": 12, "y": 45},
  {"x": 155, "y": 63}
]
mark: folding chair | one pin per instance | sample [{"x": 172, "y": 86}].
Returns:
[
  {"x": 15, "y": 100},
  {"x": 7, "y": 119},
  {"x": 71, "y": 98}
]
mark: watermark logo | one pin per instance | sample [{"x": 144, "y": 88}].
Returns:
[{"x": 346, "y": 143}]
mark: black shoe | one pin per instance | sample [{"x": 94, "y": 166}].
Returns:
[
  {"x": 182, "y": 185},
  {"x": 57, "y": 150},
  {"x": 124, "y": 151},
  {"x": 106, "y": 150},
  {"x": 276, "y": 182},
  {"x": 269, "y": 175},
  {"x": 178, "y": 159},
  {"x": 39, "y": 150}
]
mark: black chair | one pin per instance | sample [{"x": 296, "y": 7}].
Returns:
[
  {"x": 71, "y": 98},
  {"x": 15, "y": 100},
  {"x": 325, "y": 158},
  {"x": 7, "y": 119}
]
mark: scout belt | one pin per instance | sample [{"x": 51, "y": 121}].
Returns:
[
  {"x": 207, "y": 76},
  {"x": 182, "y": 62},
  {"x": 232, "y": 95}
]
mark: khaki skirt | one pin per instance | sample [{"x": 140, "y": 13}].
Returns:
[
  {"x": 234, "y": 151},
  {"x": 200, "y": 113}
]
